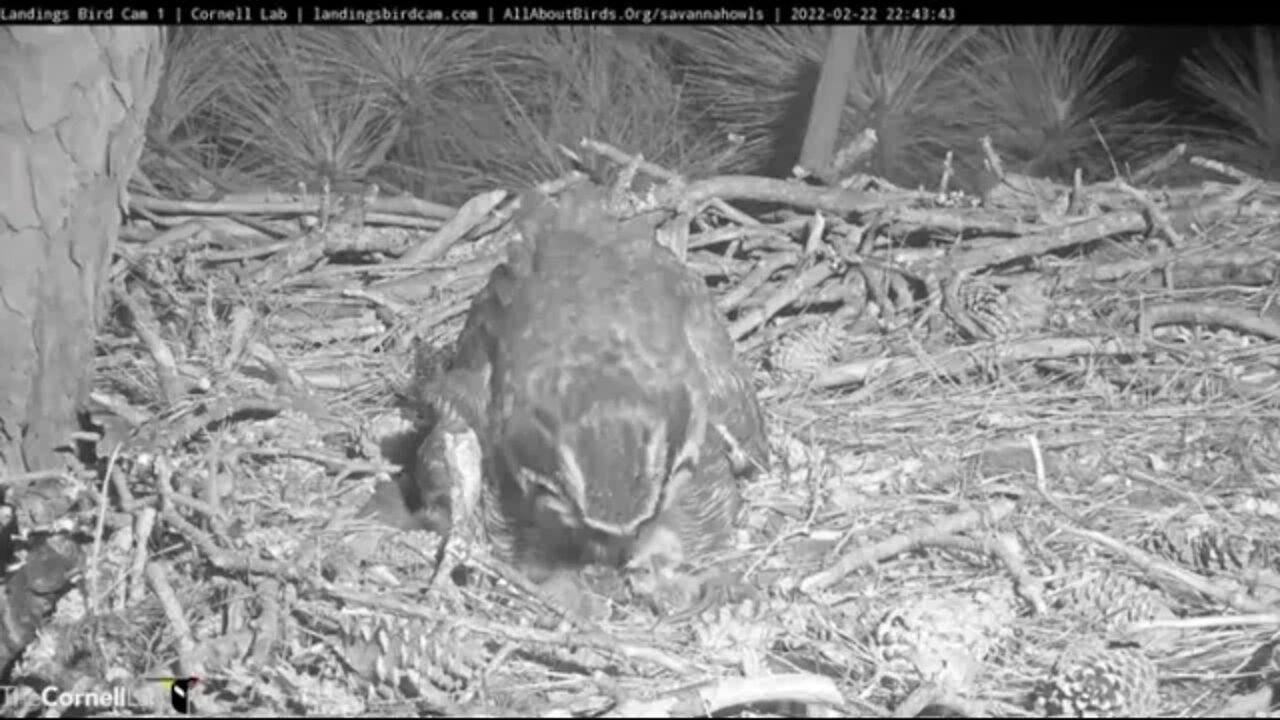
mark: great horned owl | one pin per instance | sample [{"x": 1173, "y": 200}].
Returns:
[{"x": 612, "y": 413}]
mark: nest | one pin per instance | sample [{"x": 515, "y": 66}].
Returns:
[{"x": 1027, "y": 455}]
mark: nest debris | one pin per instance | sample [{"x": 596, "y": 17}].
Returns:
[{"x": 1010, "y": 428}]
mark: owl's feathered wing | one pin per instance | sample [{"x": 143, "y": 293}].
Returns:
[{"x": 599, "y": 376}]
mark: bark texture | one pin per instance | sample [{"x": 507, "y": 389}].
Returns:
[{"x": 73, "y": 108}]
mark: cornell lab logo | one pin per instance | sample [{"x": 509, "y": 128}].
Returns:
[
  {"x": 20, "y": 700},
  {"x": 180, "y": 693}
]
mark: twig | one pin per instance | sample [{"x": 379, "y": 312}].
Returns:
[
  {"x": 966, "y": 359},
  {"x": 228, "y": 561},
  {"x": 905, "y": 541},
  {"x": 1006, "y": 548},
  {"x": 729, "y": 693},
  {"x": 331, "y": 462},
  {"x": 242, "y": 323},
  {"x": 189, "y": 660},
  {"x": 1219, "y": 589},
  {"x": 249, "y": 253},
  {"x": 397, "y": 309},
  {"x": 1042, "y": 483},
  {"x": 1048, "y": 240},
  {"x": 172, "y": 236},
  {"x": 218, "y": 411},
  {"x": 817, "y": 228},
  {"x": 1230, "y": 171},
  {"x": 289, "y": 380},
  {"x": 145, "y": 520},
  {"x": 269, "y": 625},
  {"x": 1208, "y": 314},
  {"x": 384, "y": 205},
  {"x": 119, "y": 407},
  {"x": 1159, "y": 165},
  {"x": 755, "y": 280},
  {"x": 787, "y": 294},
  {"x": 99, "y": 531},
  {"x": 661, "y": 173},
  {"x": 758, "y": 189},
  {"x": 148, "y": 332},
  {"x": 465, "y": 220},
  {"x": 1206, "y": 622},
  {"x": 1158, "y": 217},
  {"x": 31, "y": 477}
]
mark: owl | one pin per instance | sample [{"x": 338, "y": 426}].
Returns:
[{"x": 615, "y": 422}]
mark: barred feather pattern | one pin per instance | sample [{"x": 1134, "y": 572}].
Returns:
[
  {"x": 587, "y": 343},
  {"x": 712, "y": 502},
  {"x": 590, "y": 474},
  {"x": 594, "y": 348}
]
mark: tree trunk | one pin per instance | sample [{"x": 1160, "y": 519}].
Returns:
[
  {"x": 828, "y": 100},
  {"x": 73, "y": 108}
]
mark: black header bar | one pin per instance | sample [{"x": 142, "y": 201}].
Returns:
[{"x": 729, "y": 12}]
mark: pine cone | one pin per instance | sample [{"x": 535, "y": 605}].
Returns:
[{"x": 1091, "y": 679}]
